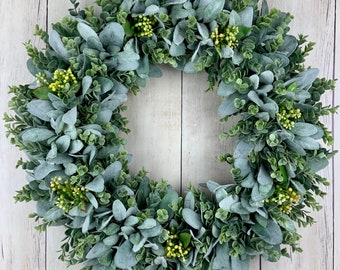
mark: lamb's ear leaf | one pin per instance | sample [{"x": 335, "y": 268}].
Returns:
[
  {"x": 36, "y": 134},
  {"x": 271, "y": 234},
  {"x": 118, "y": 210},
  {"x": 125, "y": 258},
  {"x": 192, "y": 218},
  {"x": 97, "y": 185},
  {"x": 97, "y": 250}
]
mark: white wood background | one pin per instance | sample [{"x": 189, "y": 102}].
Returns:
[{"x": 174, "y": 136}]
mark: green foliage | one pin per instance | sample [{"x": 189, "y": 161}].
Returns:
[{"x": 70, "y": 123}]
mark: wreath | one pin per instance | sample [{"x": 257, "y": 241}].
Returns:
[{"x": 70, "y": 124}]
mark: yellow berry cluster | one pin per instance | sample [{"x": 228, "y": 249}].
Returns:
[
  {"x": 175, "y": 248},
  {"x": 69, "y": 195},
  {"x": 286, "y": 117},
  {"x": 143, "y": 25},
  {"x": 285, "y": 199},
  {"x": 60, "y": 79},
  {"x": 226, "y": 36}
]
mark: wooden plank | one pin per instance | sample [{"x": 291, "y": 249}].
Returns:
[
  {"x": 155, "y": 122},
  {"x": 336, "y": 125},
  {"x": 22, "y": 247},
  {"x": 314, "y": 18},
  {"x": 200, "y": 133}
]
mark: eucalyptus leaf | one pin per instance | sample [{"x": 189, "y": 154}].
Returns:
[
  {"x": 240, "y": 263},
  {"x": 143, "y": 67},
  {"x": 299, "y": 187},
  {"x": 86, "y": 84}
]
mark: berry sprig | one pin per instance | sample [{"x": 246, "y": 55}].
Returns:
[
  {"x": 286, "y": 117},
  {"x": 143, "y": 26},
  {"x": 69, "y": 195},
  {"x": 284, "y": 198},
  {"x": 175, "y": 248},
  {"x": 61, "y": 79},
  {"x": 225, "y": 36}
]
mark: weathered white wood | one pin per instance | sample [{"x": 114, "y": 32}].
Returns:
[
  {"x": 336, "y": 125},
  {"x": 315, "y": 19},
  {"x": 155, "y": 122},
  {"x": 22, "y": 247},
  {"x": 201, "y": 128}
]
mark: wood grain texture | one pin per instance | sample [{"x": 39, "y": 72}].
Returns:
[
  {"x": 155, "y": 122},
  {"x": 22, "y": 247},
  {"x": 336, "y": 161},
  {"x": 174, "y": 135}
]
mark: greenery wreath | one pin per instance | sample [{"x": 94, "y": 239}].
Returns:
[{"x": 69, "y": 122}]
